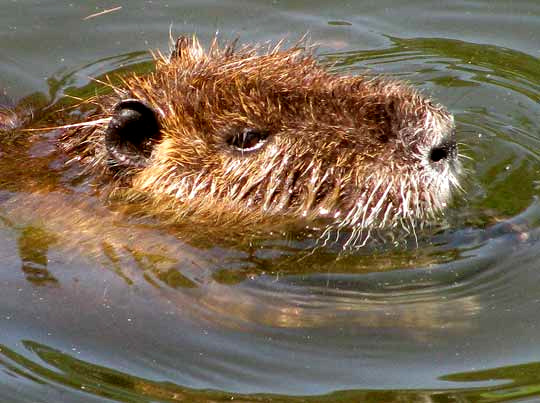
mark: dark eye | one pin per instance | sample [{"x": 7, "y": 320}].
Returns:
[{"x": 248, "y": 139}]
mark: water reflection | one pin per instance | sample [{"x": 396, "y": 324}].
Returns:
[
  {"x": 54, "y": 367},
  {"x": 33, "y": 246}
]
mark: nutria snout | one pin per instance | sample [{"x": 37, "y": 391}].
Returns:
[{"x": 247, "y": 136}]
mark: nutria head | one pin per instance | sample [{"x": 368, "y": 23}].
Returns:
[{"x": 252, "y": 136}]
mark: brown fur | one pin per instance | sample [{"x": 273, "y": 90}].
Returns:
[{"x": 348, "y": 150}]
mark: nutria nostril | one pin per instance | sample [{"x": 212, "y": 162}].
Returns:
[
  {"x": 438, "y": 153},
  {"x": 446, "y": 150}
]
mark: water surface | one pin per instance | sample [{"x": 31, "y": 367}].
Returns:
[{"x": 135, "y": 313}]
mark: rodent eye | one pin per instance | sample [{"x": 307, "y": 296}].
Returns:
[{"x": 248, "y": 140}]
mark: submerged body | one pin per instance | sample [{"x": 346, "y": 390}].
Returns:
[{"x": 251, "y": 137}]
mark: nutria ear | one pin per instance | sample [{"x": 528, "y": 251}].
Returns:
[{"x": 131, "y": 134}]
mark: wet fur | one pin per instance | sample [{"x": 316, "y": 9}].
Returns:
[{"x": 349, "y": 151}]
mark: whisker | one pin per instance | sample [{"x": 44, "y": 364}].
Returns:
[{"x": 83, "y": 124}]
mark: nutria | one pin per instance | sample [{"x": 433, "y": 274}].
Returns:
[{"x": 247, "y": 136}]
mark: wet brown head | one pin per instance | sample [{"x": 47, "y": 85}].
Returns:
[{"x": 251, "y": 136}]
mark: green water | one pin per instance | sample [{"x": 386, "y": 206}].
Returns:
[{"x": 134, "y": 313}]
